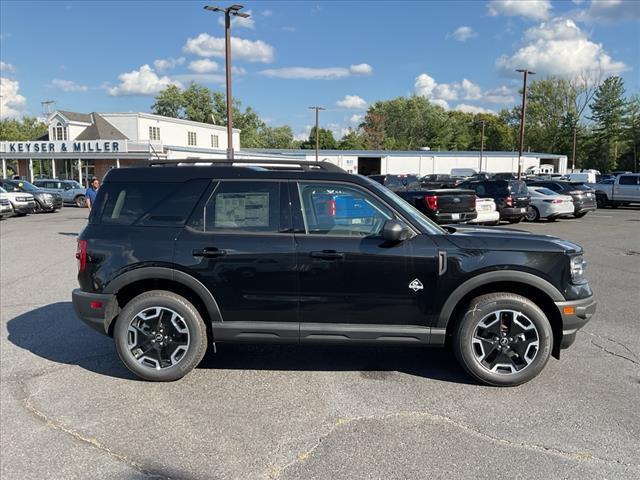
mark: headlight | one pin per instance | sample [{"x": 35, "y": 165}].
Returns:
[{"x": 578, "y": 265}]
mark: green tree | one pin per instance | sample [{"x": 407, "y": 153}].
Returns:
[
  {"x": 629, "y": 159},
  {"x": 198, "y": 104},
  {"x": 24, "y": 129},
  {"x": 276, "y": 137},
  {"x": 607, "y": 114},
  {"x": 352, "y": 140},
  {"x": 169, "y": 103},
  {"x": 326, "y": 141}
]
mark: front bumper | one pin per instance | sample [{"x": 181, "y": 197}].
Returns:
[
  {"x": 24, "y": 207},
  {"x": 575, "y": 315},
  {"x": 95, "y": 309}
]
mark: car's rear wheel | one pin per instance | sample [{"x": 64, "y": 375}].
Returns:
[
  {"x": 533, "y": 215},
  {"x": 503, "y": 339},
  {"x": 79, "y": 201},
  {"x": 160, "y": 336}
]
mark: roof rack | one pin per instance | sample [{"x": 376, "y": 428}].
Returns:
[{"x": 272, "y": 164}]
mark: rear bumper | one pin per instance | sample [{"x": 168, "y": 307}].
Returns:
[
  {"x": 513, "y": 212},
  {"x": 95, "y": 309},
  {"x": 487, "y": 217},
  {"x": 575, "y": 315},
  {"x": 450, "y": 217},
  {"x": 585, "y": 206}
]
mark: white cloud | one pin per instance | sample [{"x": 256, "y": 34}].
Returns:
[
  {"x": 470, "y": 91},
  {"x": 12, "y": 104},
  {"x": 441, "y": 103},
  {"x": 204, "y": 45},
  {"x": 6, "y": 67},
  {"x": 353, "y": 102},
  {"x": 143, "y": 81},
  {"x": 463, "y": 107},
  {"x": 463, "y": 33},
  {"x": 361, "y": 69},
  {"x": 68, "y": 85},
  {"x": 163, "y": 64},
  {"x": 611, "y": 11},
  {"x": 236, "y": 21},
  {"x": 499, "y": 95},
  {"x": 534, "y": 9},
  {"x": 559, "y": 47},
  {"x": 442, "y": 93},
  {"x": 312, "y": 73},
  {"x": 357, "y": 119},
  {"x": 304, "y": 134},
  {"x": 203, "y": 65}
]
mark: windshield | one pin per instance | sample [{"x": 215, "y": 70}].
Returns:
[
  {"x": 2, "y": 190},
  {"x": 406, "y": 209},
  {"x": 22, "y": 186}
]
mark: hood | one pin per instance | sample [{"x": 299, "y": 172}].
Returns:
[{"x": 506, "y": 239}]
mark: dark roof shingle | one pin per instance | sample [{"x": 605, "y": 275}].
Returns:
[{"x": 100, "y": 129}]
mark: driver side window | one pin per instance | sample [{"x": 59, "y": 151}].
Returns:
[{"x": 336, "y": 209}]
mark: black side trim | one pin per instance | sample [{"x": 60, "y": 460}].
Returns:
[
  {"x": 151, "y": 273},
  {"x": 494, "y": 277},
  {"x": 256, "y": 332},
  {"x": 366, "y": 333}
]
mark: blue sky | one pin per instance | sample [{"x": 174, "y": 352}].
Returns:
[{"x": 114, "y": 56}]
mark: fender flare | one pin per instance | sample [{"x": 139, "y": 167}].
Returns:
[
  {"x": 494, "y": 277},
  {"x": 164, "y": 273}
]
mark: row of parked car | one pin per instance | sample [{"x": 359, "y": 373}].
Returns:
[
  {"x": 488, "y": 199},
  {"x": 19, "y": 197}
]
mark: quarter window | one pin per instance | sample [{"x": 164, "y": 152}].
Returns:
[
  {"x": 191, "y": 138},
  {"x": 334, "y": 209},
  {"x": 243, "y": 207}
]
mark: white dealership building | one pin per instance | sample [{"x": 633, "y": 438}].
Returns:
[{"x": 82, "y": 145}]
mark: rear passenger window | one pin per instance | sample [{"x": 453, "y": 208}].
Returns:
[
  {"x": 628, "y": 180},
  {"x": 243, "y": 207}
]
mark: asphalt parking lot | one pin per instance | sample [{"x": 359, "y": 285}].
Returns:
[{"x": 70, "y": 409}]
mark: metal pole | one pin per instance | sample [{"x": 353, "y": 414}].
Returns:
[
  {"x": 317, "y": 109},
  {"x": 227, "y": 42},
  {"x": 522, "y": 118},
  {"x": 573, "y": 158},
  {"x": 483, "y": 122},
  {"x": 31, "y": 169},
  {"x": 4, "y": 168}
]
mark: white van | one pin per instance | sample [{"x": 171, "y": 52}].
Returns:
[{"x": 584, "y": 177}]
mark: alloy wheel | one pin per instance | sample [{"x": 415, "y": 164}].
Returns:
[
  {"x": 158, "y": 337},
  {"x": 531, "y": 215},
  {"x": 505, "y": 342}
]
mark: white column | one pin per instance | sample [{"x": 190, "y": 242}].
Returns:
[
  {"x": 31, "y": 169},
  {"x": 80, "y": 170},
  {"x": 53, "y": 168},
  {"x": 117, "y": 163},
  {"x": 4, "y": 168}
]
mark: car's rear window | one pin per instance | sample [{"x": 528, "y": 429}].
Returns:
[
  {"x": 154, "y": 203},
  {"x": 400, "y": 180},
  {"x": 518, "y": 187}
]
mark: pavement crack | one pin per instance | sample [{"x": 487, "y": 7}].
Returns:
[
  {"x": 635, "y": 360},
  {"x": 276, "y": 471}
]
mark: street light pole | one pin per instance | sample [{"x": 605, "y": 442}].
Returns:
[
  {"x": 483, "y": 123},
  {"x": 317, "y": 109},
  {"x": 573, "y": 156},
  {"x": 522, "y": 117},
  {"x": 235, "y": 11}
]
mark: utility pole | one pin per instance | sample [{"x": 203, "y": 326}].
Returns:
[
  {"x": 573, "y": 155},
  {"x": 317, "y": 109},
  {"x": 483, "y": 123},
  {"x": 235, "y": 11},
  {"x": 523, "y": 114}
]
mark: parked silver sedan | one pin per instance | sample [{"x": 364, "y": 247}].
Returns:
[{"x": 546, "y": 203}]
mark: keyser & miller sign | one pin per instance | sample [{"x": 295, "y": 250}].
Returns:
[{"x": 93, "y": 146}]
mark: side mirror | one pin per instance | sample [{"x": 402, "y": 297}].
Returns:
[{"x": 395, "y": 231}]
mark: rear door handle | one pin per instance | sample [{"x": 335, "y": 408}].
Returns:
[
  {"x": 210, "y": 252},
  {"x": 327, "y": 255}
]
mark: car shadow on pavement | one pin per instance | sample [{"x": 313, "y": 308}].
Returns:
[{"x": 54, "y": 333}]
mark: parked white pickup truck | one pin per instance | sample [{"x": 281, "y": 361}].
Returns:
[{"x": 622, "y": 190}]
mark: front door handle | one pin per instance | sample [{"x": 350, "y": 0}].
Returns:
[
  {"x": 327, "y": 255},
  {"x": 210, "y": 252}
]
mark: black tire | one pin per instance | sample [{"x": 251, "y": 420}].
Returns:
[
  {"x": 189, "y": 318},
  {"x": 38, "y": 208},
  {"x": 601, "y": 201},
  {"x": 579, "y": 215},
  {"x": 467, "y": 344},
  {"x": 515, "y": 220},
  {"x": 533, "y": 215},
  {"x": 551, "y": 219},
  {"x": 79, "y": 201}
]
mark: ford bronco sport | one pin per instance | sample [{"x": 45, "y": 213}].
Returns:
[{"x": 177, "y": 257}]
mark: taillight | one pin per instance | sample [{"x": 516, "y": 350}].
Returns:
[
  {"x": 508, "y": 202},
  {"x": 81, "y": 255},
  {"x": 431, "y": 201},
  {"x": 331, "y": 208}
]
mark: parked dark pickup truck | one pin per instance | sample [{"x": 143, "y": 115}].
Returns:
[
  {"x": 438, "y": 180},
  {"x": 444, "y": 205}
]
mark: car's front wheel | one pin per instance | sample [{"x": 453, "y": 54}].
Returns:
[
  {"x": 160, "y": 336},
  {"x": 503, "y": 339},
  {"x": 79, "y": 201}
]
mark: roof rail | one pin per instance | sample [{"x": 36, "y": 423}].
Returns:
[{"x": 286, "y": 164}]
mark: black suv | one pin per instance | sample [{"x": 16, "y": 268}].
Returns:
[
  {"x": 511, "y": 196},
  {"x": 584, "y": 197},
  {"x": 178, "y": 257}
]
